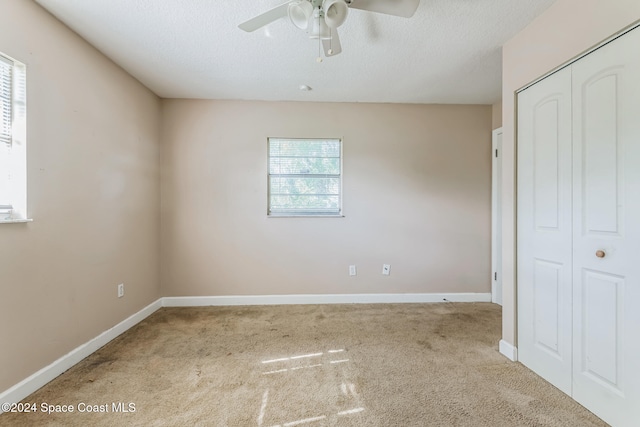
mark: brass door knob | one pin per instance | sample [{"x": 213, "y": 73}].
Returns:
[{"x": 600, "y": 253}]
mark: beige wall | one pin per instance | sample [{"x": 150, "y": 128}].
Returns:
[
  {"x": 566, "y": 29},
  {"x": 417, "y": 195},
  {"x": 496, "y": 115},
  {"x": 93, "y": 182}
]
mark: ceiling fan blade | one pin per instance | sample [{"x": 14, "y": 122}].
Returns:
[
  {"x": 404, "y": 8},
  {"x": 332, "y": 46},
  {"x": 266, "y": 18}
]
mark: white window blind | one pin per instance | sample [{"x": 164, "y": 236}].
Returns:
[
  {"x": 6, "y": 190},
  {"x": 6, "y": 100},
  {"x": 305, "y": 177},
  {"x": 13, "y": 144}
]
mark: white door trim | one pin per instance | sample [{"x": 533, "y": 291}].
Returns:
[{"x": 496, "y": 216}]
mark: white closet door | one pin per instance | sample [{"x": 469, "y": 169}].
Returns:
[
  {"x": 544, "y": 229},
  {"x": 606, "y": 179}
]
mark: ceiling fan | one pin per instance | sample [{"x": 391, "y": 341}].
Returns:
[{"x": 321, "y": 18}]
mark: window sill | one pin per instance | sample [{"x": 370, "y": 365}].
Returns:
[
  {"x": 15, "y": 221},
  {"x": 304, "y": 216}
]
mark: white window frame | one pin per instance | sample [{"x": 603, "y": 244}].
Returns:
[
  {"x": 305, "y": 214},
  {"x": 13, "y": 147}
]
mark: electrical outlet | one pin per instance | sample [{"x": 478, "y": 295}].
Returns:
[
  {"x": 352, "y": 270},
  {"x": 120, "y": 290},
  {"x": 386, "y": 268}
]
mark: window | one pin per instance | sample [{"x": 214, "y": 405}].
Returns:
[
  {"x": 13, "y": 150},
  {"x": 305, "y": 177}
]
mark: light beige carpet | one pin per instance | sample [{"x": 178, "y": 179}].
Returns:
[{"x": 321, "y": 365}]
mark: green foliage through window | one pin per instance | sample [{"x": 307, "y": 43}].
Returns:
[{"x": 304, "y": 176}]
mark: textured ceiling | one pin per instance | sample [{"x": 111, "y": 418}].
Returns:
[{"x": 448, "y": 52}]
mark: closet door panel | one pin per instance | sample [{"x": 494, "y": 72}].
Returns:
[
  {"x": 606, "y": 231},
  {"x": 544, "y": 229}
]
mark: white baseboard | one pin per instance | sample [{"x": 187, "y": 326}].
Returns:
[
  {"x": 29, "y": 385},
  {"x": 509, "y": 351},
  {"x": 322, "y": 299}
]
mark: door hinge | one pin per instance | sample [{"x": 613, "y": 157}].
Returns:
[
  {"x": 495, "y": 275},
  {"x": 496, "y": 152}
]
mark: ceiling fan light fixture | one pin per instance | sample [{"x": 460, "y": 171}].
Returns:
[
  {"x": 299, "y": 13},
  {"x": 335, "y": 12},
  {"x": 319, "y": 28}
]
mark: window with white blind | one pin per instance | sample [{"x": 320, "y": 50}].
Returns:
[
  {"x": 13, "y": 150},
  {"x": 305, "y": 177}
]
